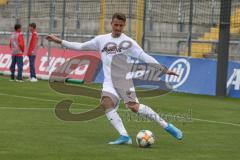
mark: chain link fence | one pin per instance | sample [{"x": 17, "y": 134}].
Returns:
[{"x": 174, "y": 27}]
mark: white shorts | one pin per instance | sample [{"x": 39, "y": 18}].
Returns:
[{"x": 116, "y": 94}]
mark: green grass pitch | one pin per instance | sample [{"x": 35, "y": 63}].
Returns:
[{"x": 29, "y": 129}]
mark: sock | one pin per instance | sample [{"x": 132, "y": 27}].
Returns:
[
  {"x": 116, "y": 121},
  {"x": 147, "y": 112}
]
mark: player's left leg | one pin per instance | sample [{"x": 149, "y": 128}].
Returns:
[
  {"x": 147, "y": 112},
  {"x": 33, "y": 77}
]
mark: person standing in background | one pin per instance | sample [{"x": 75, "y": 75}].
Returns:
[
  {"x": 17, "y": 49},
  {"x": 32, "y": 50}
]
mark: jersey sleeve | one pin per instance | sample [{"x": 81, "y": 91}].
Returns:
[
  {"x": 21, "y": 42},
  {"x": 137, "y": 52},
  {"x": 91, "y": 45},
  {"x": 32, "y": 44}
]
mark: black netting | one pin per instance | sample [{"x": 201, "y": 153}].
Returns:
[{"x": 166, "y": 22}]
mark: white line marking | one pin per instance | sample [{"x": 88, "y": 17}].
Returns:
[
  {"x": 40, "y": 99},
  {"x": 82, "y": 109},
  {"x": 217, "y": 122}
]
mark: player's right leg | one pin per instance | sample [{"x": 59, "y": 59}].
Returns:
[
  {"x": 12, "y": 68},
  {"x": 20, "y": 68},
  {"x": 109, "y": 103}
]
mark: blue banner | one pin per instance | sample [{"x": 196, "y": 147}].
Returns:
[{"x": 197, "y": 76}]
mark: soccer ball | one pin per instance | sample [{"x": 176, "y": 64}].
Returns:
[{"x": 145, "y": 138}]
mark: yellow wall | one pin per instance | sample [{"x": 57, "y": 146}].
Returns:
[
  {"x": 102, "y": 17},
  {"x": 139, "y": 21},
  {"x": 3, "y": 2},
  {"x": 201, "y": 49}
]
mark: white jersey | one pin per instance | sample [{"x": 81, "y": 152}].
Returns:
[{"x": 109, "y": 46}]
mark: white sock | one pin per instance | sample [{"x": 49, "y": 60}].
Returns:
[
  {"x": 116, "y": 121},
  {"x": 147, "y": 112}
]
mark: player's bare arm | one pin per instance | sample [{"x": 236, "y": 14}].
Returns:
[
  {"x": 169, "y": 72},
  {"x": 54, "y": 38}
]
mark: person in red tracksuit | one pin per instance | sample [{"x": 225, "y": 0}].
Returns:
[
  {"x": 32, "y": 50},
  {"x": 17, "y": 48}
]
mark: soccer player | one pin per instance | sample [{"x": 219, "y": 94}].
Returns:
[
  {"x": 32, "y": 51},
  {"x": 108, "y": 46},
  {"x": 17, "y": 48}
]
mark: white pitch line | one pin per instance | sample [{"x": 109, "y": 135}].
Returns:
[
  {"x": 43, "y": 108},
  {"x": 217, "y": 122},
  {"x": 24, "y": 108},
  {"x": 50, "y": 100},
  {"x": 47, "y": 100},
  {"x": 40, "y": 99}
]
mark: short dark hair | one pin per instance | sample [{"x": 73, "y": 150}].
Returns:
[
  {"x": 33, "y": 25},
  {"x": 17, "y": 26},
  {"x": 120, "y": 16}
]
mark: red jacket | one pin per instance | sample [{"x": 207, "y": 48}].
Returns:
[
  {"x": 33, "y": 43},
  {"x": 17, "y": 44}
]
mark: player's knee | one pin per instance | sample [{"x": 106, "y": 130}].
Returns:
[
  {"x": 106, "y": 103},
  {"x": 133, "y": 106}
]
